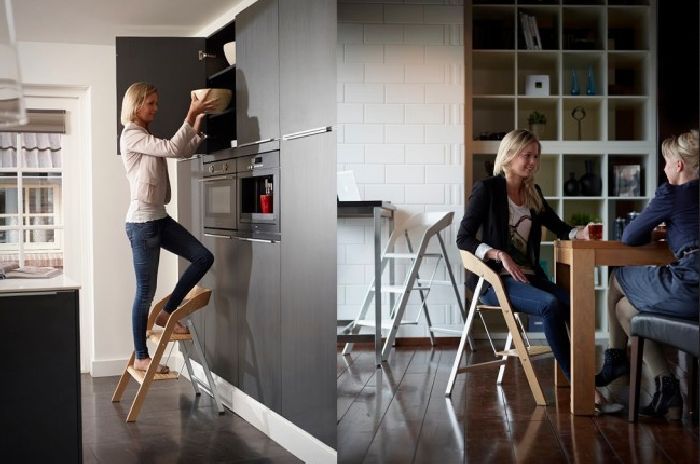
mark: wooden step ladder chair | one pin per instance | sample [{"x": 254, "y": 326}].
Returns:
[
  {"x": 516, "y": 332},
  {"x": 427, "y": 226},
  {"x": 196, "y": 299}
]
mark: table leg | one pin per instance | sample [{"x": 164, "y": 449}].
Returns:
[
  {"x": 583, "y": 315},
  {"x": 378, "y": 286},
  {"x": 563, "y": 275}
]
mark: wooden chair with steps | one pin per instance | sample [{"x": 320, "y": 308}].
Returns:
[
  {"x": 196, "y": 299},
  {"x": 516, "y": 332}
]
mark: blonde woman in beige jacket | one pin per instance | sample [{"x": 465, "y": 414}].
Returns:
[{"x": 148, "y": 225}]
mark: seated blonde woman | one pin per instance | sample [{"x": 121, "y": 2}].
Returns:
[{"x": 667, "y": 290}]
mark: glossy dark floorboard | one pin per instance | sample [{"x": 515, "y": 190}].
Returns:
[
  {"x": 399, "y": 414},
  {"x": 174, "y": 427}
]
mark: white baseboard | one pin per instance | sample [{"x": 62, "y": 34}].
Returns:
[{"x": 297, "y": 441}]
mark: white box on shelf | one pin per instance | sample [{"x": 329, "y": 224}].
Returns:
[{"x": 537, "y": 85}]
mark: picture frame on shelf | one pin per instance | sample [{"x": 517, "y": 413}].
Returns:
[{"x": 627, "y": 180}]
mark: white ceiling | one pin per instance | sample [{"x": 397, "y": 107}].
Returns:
[{"x": 100, "y": 21}]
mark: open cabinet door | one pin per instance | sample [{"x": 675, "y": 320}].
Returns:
[{"x": 172, "y": 64}]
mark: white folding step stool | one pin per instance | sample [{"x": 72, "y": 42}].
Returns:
[{"x": 429, "y": 225}]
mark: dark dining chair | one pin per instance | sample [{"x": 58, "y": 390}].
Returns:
[{"x": 682, "y": 334}]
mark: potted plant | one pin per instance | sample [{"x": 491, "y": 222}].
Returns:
[{"x": 537, "y": 120}]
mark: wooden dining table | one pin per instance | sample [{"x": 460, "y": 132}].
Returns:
[{"x": 575, "y": 261}]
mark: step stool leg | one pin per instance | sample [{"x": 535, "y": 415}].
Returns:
[
  {"x": 186, "y": 355},
  {"x": 205, "y": 366},
  {"x": 150, "y": 373},
  {"x": 123, "y": 381}
]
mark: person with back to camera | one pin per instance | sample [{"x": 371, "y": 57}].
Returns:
[
  {"x": 510, "y": 210},
  {"x": 670, "y": 290},
  {"x": 148, "y": 225}
]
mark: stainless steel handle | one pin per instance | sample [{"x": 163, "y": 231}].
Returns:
[
  {"x": 2, "y": 295},
  {"x": 217, "y": 235},
  {"x": 202, "y": 55},
  {"x": 211, "y": 179},
  {"x": 195, "y": 157},
  {"x": 307, "y": 133},
  {"x": 255, "y": 143},
  {"x": 247, "y": 239},
  {"x": 252, "y": 167}
]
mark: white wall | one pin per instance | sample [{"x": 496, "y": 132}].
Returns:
[
  {"x": 400, "y": 118},
  {"x": 92, "y": 69}
]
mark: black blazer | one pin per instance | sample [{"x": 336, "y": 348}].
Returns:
[{"x": 487, "y": 209}]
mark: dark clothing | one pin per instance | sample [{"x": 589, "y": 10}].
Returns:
[
  {"x": 147, "y": 238},
  {"x": 673, "y": 289},
  {"x": 487, "y": 212}
]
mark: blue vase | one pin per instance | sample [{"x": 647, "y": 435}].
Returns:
[
  {"x": 590, "y": 81},
  {"x": 575, "y": 89}
]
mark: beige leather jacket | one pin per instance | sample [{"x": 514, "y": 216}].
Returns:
[{"x": 144, "y": 157}]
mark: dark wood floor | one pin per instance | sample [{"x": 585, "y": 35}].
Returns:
[
  {"x": 399, "y": 414},
  {"x": 174, "y": 427}
]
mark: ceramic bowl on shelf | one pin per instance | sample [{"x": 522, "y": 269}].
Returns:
[
  {"x": 220, "y": 97},
  {"x": 230, "y": 52}
]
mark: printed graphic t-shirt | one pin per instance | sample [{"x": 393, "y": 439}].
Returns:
[{"x": 520, "y": 223}]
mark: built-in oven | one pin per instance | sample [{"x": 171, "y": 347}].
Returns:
[
  {"x": 219, "y": 196},
  {"x": 258, "y": 195}
]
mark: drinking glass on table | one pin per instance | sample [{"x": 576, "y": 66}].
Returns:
[{"x": 595, "y": 231}]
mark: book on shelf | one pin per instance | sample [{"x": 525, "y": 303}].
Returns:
[
  {"x": 525, "y": 26},
  {"x": 13, "y": 271},
  {"x": 531, "y": 32}
]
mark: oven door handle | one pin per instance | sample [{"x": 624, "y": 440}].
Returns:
[
  {"x": 307, "y": 133},
  {"x": 214, "y": 178},
  {"x": 257, "y": 142},
  {"x": 217, "y": 235},
  {"x": 248, "y": 239}
]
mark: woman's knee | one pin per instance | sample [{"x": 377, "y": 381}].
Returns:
[
  {"x": 549, "y": 306},
  {"x": 206, "y": 258}
]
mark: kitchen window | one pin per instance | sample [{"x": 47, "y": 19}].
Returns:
[{"x": 31, "y": 209}]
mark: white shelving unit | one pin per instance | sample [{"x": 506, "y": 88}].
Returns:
[{"x": 615, "y": 41}]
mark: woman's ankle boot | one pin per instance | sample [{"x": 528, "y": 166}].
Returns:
[
  {"x": 667, "y": 401},
  {"x": 615, "y": 365}
]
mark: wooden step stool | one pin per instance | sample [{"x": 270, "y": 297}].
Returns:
[{"x": 196, "y": 299}]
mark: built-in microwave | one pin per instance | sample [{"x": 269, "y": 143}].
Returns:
[
  {"x": 219, "y": 195},
  {"x": 258, "y": 194}
]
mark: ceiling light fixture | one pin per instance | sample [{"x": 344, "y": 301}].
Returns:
[{"x": 12, "y": 112}]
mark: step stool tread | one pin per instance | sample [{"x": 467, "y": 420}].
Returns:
[{"x": 140, "y": 375}]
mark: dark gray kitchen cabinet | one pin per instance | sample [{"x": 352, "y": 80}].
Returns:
[
  {"x": 169, "y": 63},
  {"x": 257, "y": 72},
  {"x": 40, "y": 418},
  {"x": 220, "y": 316},
  {"x": 177, "y": 65},
  {"x": 308, "y": 37},
  {"x": 309, "y": 284},
  {"x": 259, "y": 330}
]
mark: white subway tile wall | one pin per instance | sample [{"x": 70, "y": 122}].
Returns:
[{"x": 401, "y": 131}]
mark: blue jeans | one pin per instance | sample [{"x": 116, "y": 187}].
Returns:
[
  {"x": 147, "y": 239},
  {"x": 541, "y": 298}
]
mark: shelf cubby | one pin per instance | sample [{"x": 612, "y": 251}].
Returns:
[
  {"x": 627, "y": 119},
  {"x": 619, "y": 178},
  {"x": 583, "y": 28},
  {"x": 626, "y": 28},
  {"x": 482, "y": 166},
  {"x": 626, "y": 74},
  {"x": 493, "y": 115},
  {"x": 576, "y": 163},
  {"x": 538, "y": 63},
  {"x": 547, "y": 23},
  {"x": 591, "y": 124},
  {"x": 580, "y": 63},
  {"x": 493, "y": 73},
  {"x": 547, "y": 106},
  {"x": 493, "y": 27}
]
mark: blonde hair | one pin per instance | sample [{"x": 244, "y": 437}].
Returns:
[
  {"x": 512, "y": 144},
  {"x": 134, "y": 97},
  {"x": 684, "y": 147}
]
